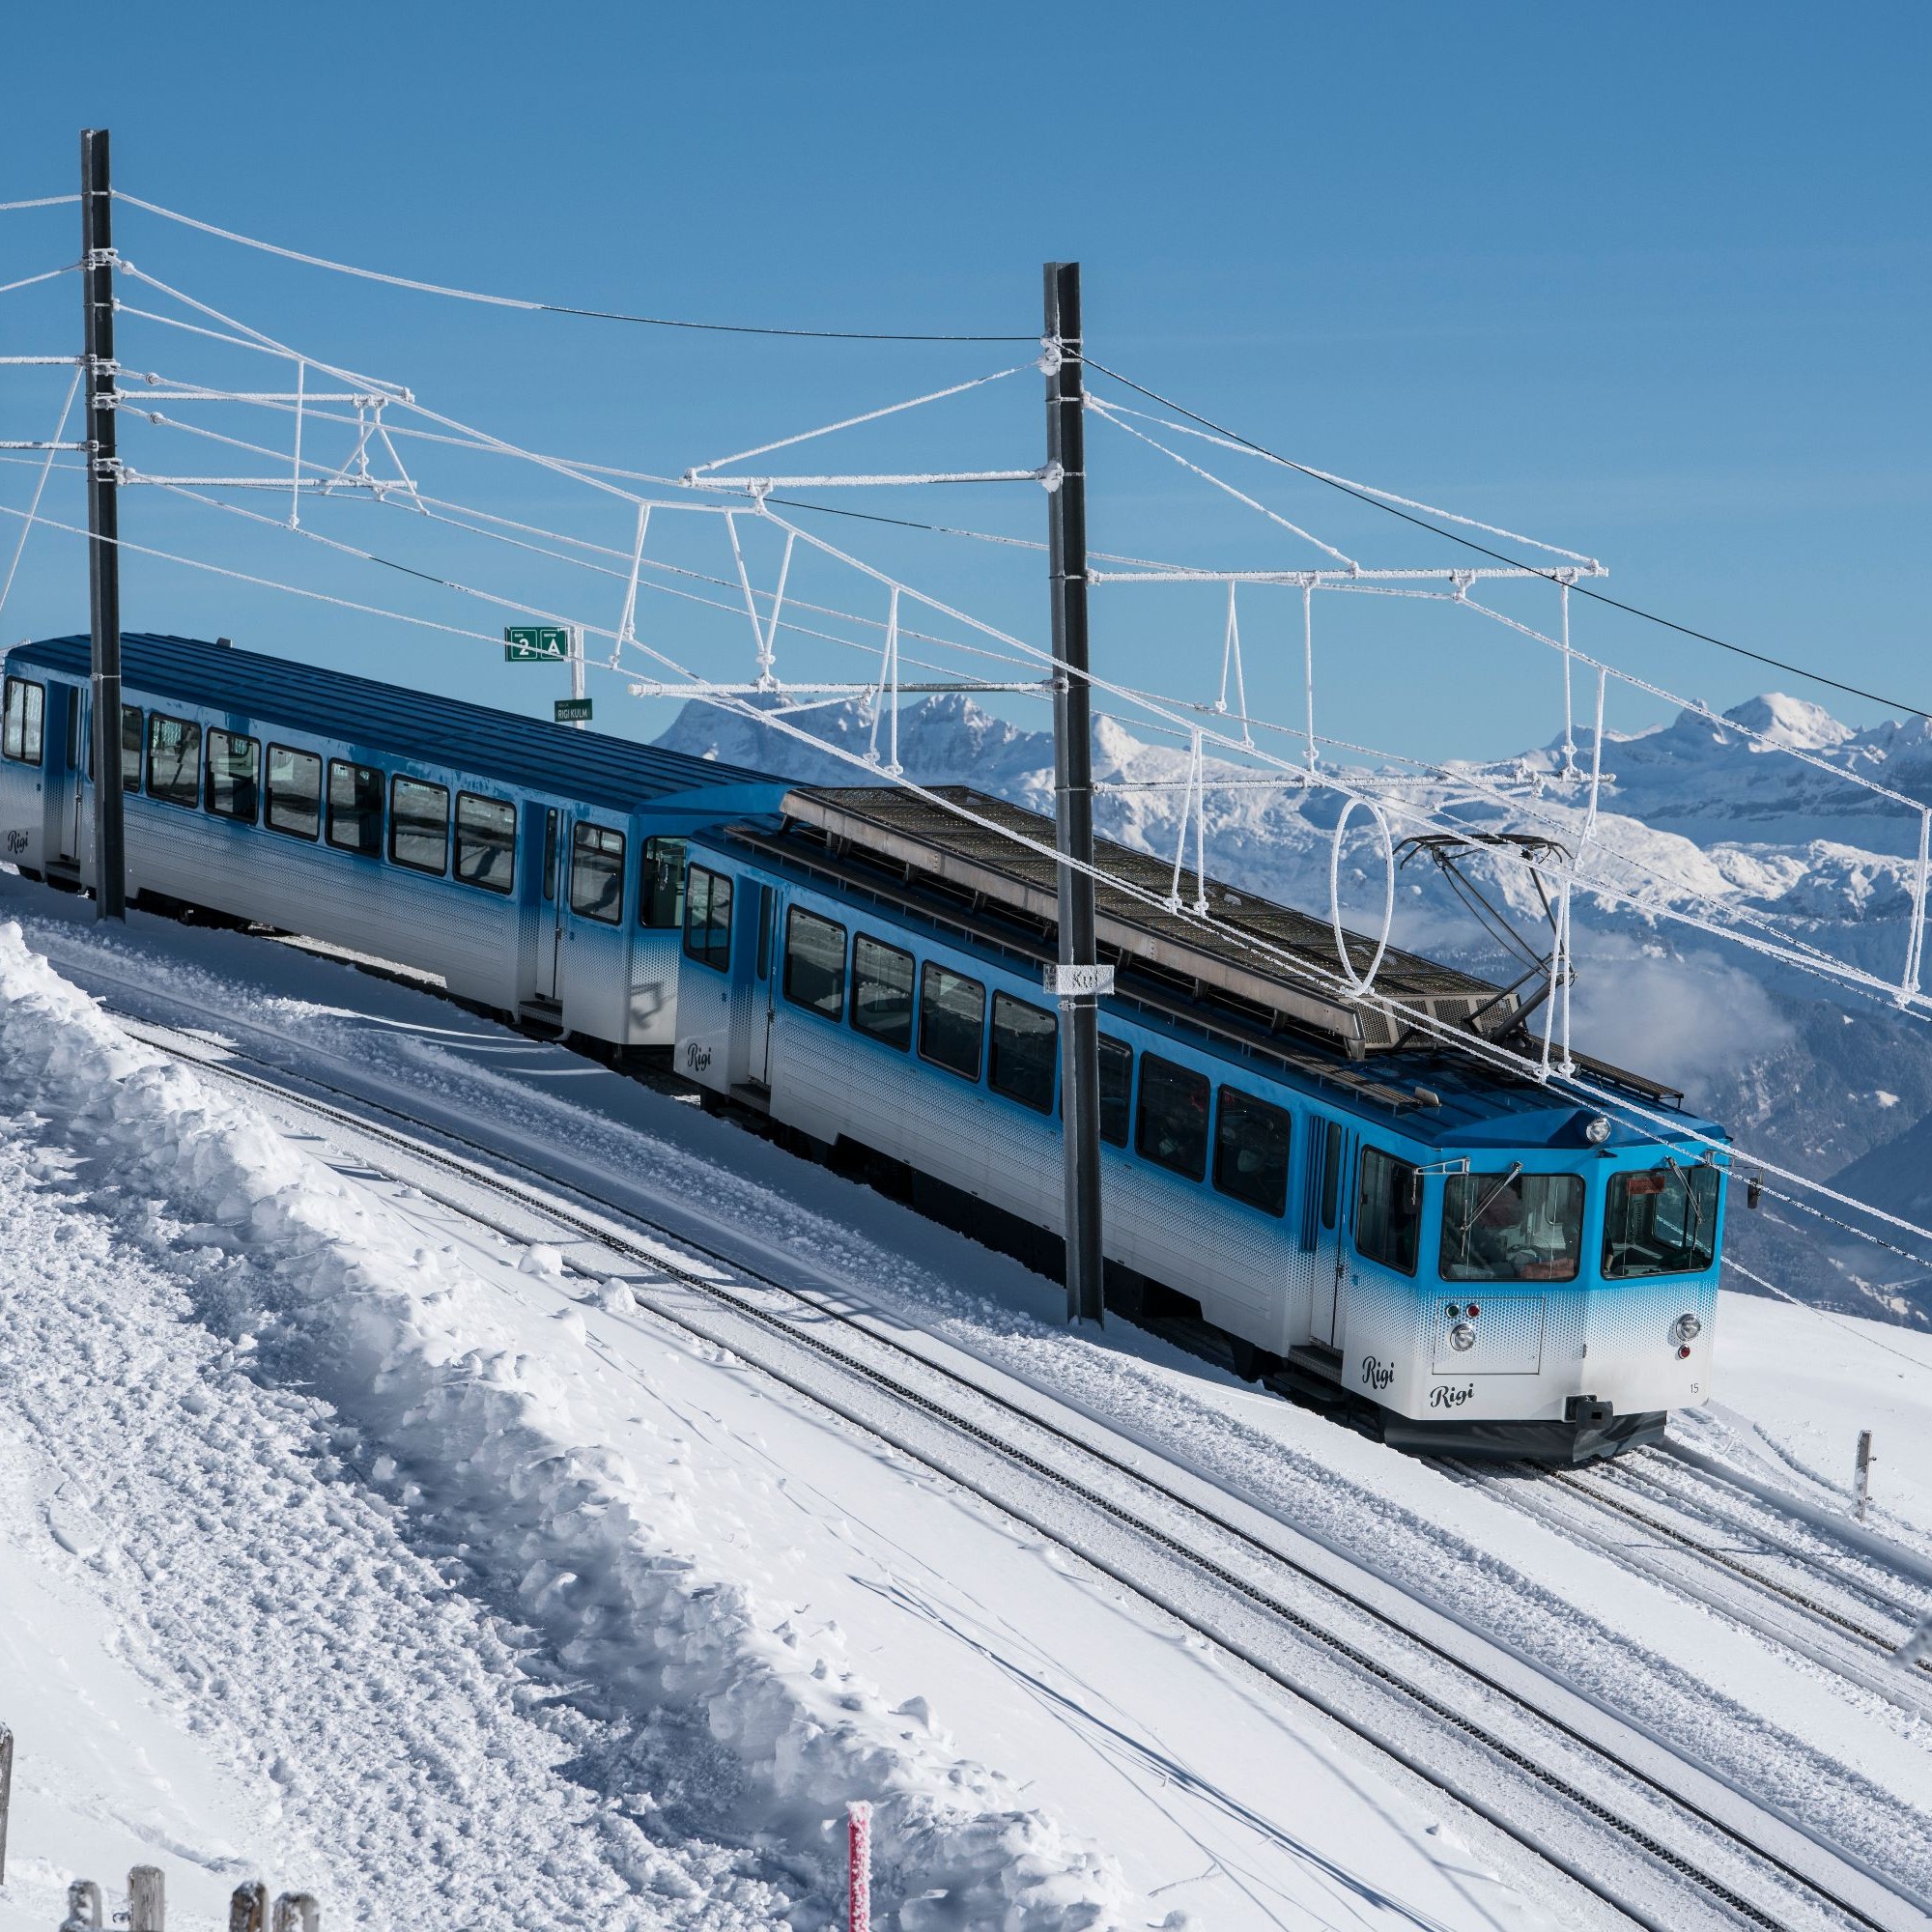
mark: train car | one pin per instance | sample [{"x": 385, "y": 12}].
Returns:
[
  {"x": 1374, "y": 1217},
  {"x": 1486, "y": 1267},
  {"x": 536, "y": 870}
]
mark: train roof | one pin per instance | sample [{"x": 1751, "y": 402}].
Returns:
[
  {"x": 617, "y": 773},
  {"x": 940, "y": 870}
]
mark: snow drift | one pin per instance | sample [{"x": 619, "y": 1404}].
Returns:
[{"x": 403, "y": 1341}]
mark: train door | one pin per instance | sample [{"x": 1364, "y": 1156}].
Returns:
[
  {"x": 1332, "y": 1159},
  {"x": 64, "y": 765},
  {"x": 764, "y": 979},
  {"x": 549, "y": 911}
]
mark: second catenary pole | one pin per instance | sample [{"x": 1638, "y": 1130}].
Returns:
[{"x": 1073, "y": 792}]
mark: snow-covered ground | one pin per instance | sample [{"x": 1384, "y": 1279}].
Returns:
[{"x": 352, "y": 1543}]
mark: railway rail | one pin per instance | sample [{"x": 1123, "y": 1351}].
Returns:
[{"x": 1669, "y": 1846}]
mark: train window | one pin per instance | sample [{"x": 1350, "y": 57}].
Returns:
[
  {"x": 882, "y": 991},
  {"x": 1512, "y": 1227},
  {"x": 1172, "y": 1131},
  {"x": 294, "y": 792},
  {"x": 174, "y": 761},
  {"x": 660, "y": 887},
  {"x": 707, "y": 917},
  {"x": 1251, "y": 1150},
  {"x": 1331, "y": 1173},
  {"x": 1117, "y": 1089},
  {"x": 25, "y": 717},
  {"x": 356, "y": 808},
  {"x": 1663, "y": 1222},
  {"x": 130, "y": 749},
  {"x": 1025, "y": 1044},
  {"x": 767, "y": 901},
  {"x": 1388, "y": 1210},
  {"x": 597, "y": 872},
  {"x": 550, "y": 855},
  {"x": 486, "y": 841},
  {"x": 814, "y": 965},
  {"x": 419, "y": 825},
  {"x": 952, "y": 1015},
  {"x": 234, "y": 776}
]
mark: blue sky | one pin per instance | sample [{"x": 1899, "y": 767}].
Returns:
[{"x": 1649, "y": 281}]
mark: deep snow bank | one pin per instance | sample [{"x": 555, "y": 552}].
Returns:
[{"x": 403, "y": 1342}]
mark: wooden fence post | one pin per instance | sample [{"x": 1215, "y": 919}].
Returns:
[
  {"x": 6, "y": 1792},
  {"x": 83, "y": 1897},
  {"x": 147, "y": 1899},
  {"x": 296, "y": 1911},
  {"x": 248, "y": 1908},
  {"x": 859, "y": 1866}
]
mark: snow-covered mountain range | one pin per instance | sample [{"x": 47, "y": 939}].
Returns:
[{"x": 1744, "y": 822}]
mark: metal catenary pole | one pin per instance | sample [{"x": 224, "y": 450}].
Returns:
[
  {"x": 1077, "y": 981},
  {"x": 103, "y": 524}
]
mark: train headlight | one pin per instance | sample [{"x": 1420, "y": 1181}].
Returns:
[
  {"x": 1685, "y": 1329},
  {"x": 1597, "y": 1129},
  {"x": 1461, "y": 1336}
]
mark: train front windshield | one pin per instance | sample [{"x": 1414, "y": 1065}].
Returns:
[
  {"x": 1512, "y": 1227},
  {"x": 1663, "y": 1222}
]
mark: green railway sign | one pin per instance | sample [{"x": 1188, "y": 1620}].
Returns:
[
  {"x": 571, "y": 711},
  {"x": 536, "y": 643}
]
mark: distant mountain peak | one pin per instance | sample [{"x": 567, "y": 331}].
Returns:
[{"x": 1793, "y": 723}]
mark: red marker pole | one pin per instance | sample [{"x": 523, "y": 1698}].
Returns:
[{"x": 859, "y": 1872}]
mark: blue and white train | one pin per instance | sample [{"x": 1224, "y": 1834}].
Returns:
[{"x": 1374, "y": 1219}]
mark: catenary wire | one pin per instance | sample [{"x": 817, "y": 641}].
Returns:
[
  {"x": 1553, "y": 576},
  {"x": 555, "y": 308}
]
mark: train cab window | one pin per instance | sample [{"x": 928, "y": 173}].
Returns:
[
  {"x": 1172, "y": 1131},
  {"x": 1331, "y": 1172},
  {"x": 814, "y": 963},
  {"x": 707, "y": 917},
  {"x": 1251, "y": 1151},
  {"x": 25, "y": 714},
  {"x": 1663, "y": 1222},
  {"x": 882, "y": 991},
  {"x": 1388, "y": 1210},
  {"x": 486, "y": 841},
  {"x": 1024, "y": 1046},
  {"x": 597, "y": 873},
  {"x": 952, "y": 1017},
  {"x": 1512, "y": 1227},
  {"x": 356, "y": 808},
  {"x": 1117, "y": 1089},
  {"x": 130, "y": 749},
  {"x": 174, "y": 761},
  {"x": 232, "y": 781},
  {"x": 419, "y": 825},
  {"x": 294, "y": 792},
  {"x": 660, "y": 885}
]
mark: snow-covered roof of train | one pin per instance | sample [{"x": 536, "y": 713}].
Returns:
[{"x": 617, "y": 773}]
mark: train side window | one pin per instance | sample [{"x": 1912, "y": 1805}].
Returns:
[
  {"x": 1388, "y": 1210},
  {"x": 1251, "y": 1141},
  {"x": 25, "y": 719},
  {"x": 814, "y": 963},
  {"x": 234, "y": 776},
  {"x": 707, "y": 917},
  {"x": 952, "y": 1017},
  {"x": 73, "y": 727},
  {"x": 1172, "y": 1131},
  {"x": 882, "y": 991},
  {"x": 550, "y": 857},
  {"x": 1117, "y": 1089},
  {"x": 1024, "y": 1046},
  {"x": 356, "y": 808},
  {"x": 660, "y": 885},
  {"x": 419, "y": 825},
  {"x": 174, "y": 761},
  {"x": 486, "y": 841},
  {"x": 294, "y": 792},
  {"x": 1331, "y": 1173},
  {"x": 130, "y": 749},
  {"x": 597, "y": 873},
  {"x": 767, "y": 901}
]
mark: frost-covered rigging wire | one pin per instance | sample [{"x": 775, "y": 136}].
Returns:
[
  {"x": 1393, "y": 507},
  {"x": 34, "y": 507},
  {"x": 45, "y": 276},
  {"x": 543, "y": 307},
  {"x": 39, "y": 201}
]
